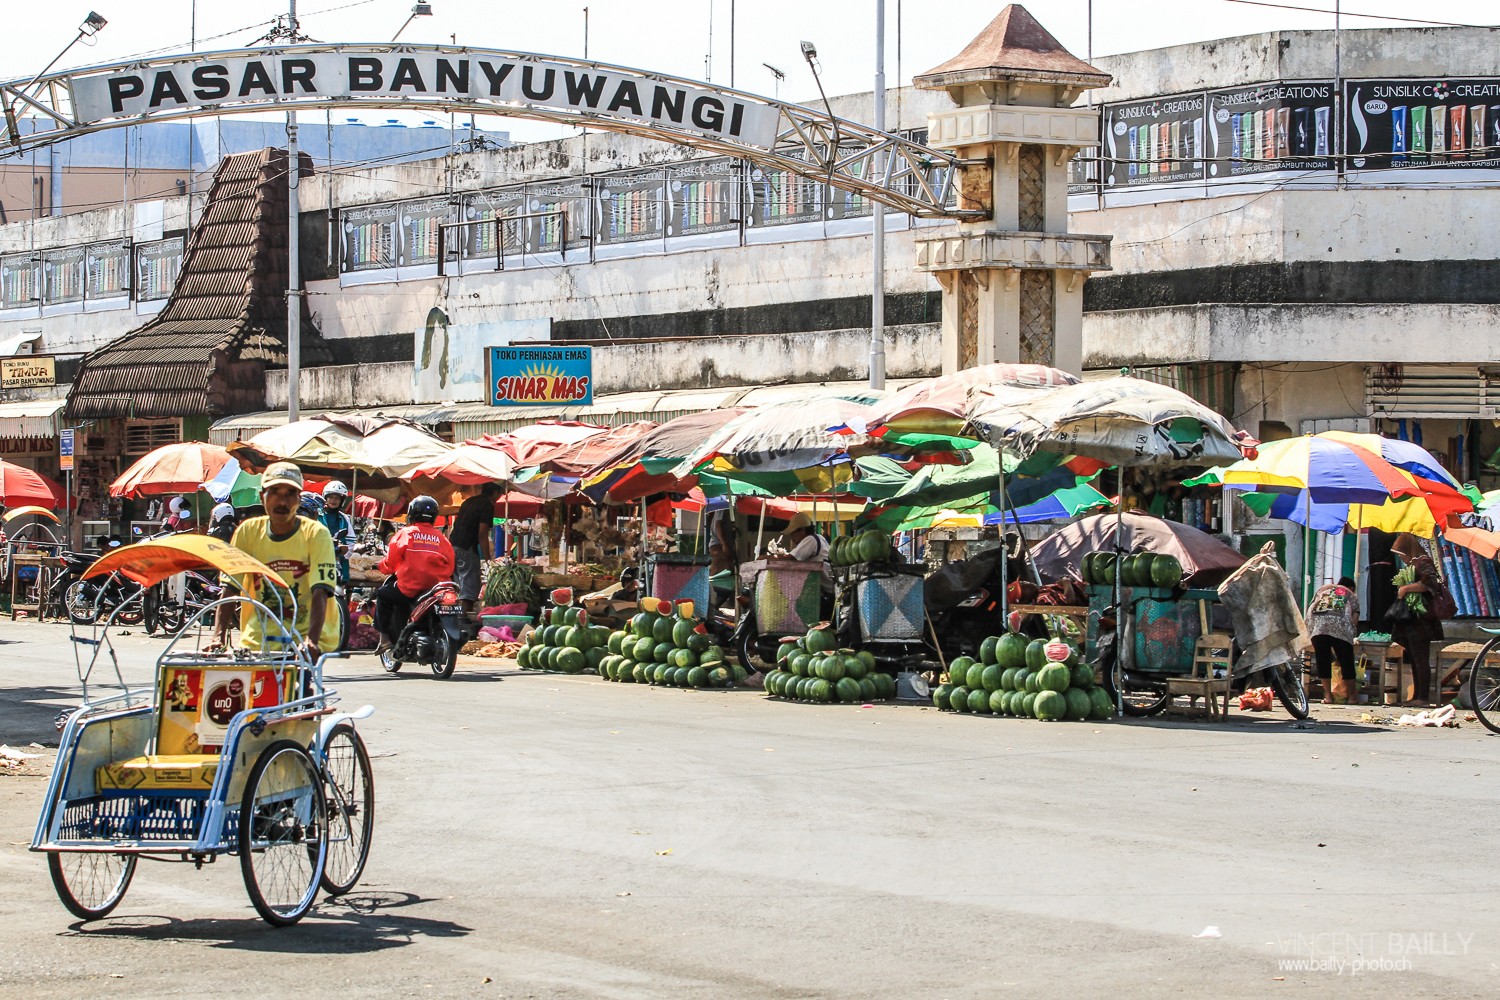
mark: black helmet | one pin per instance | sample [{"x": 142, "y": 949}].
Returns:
[{"x": 422, "y": 510}]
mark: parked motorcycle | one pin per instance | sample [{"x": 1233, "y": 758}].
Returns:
[
  {"x": 433, "y": 635},
  {"x": 89, "y": 601}
]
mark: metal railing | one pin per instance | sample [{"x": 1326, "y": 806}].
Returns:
[{"x": 499, "y": 221}]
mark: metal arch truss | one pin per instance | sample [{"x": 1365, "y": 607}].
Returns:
[{"x": 848, "y": 155}]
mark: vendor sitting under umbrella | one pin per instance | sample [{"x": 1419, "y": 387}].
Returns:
[{"x": 800, "y": 543}]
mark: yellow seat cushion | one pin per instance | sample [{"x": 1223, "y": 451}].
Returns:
[{"x": 160, "y": 771}]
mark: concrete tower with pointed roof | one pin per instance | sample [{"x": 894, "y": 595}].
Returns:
[{"x": 1013, "y": 282}]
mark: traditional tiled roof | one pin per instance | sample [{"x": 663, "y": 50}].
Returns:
[
  {"x": 1014, "y": 47},
  {"x": 225, "y": 322}
]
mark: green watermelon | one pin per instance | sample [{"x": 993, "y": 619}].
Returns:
[
  {"x": 987, "y": 649},
  {"x": 1138, "y": 569},
  {"x": 1028, "y": 705},
  {"x": 868, "y": 689},
  {"x": 1104, "y": 569},
  {"x": 1079, "y": 704},
  {"x": 848, "y": 690},
  {"x": 739, "y": 672},
  {"x": 821, "y": 640},
  {"x": 1012, "y": 699},
  {"x": 821, "y": 690},
  {"x": 629, "y": 671},
  {"x": 802, "y": 689},
  {"x": 1008, "y": 678},
  {"x": 989, "y": 678},
  {"x": 641, "y": 672},
  {"x": 997, "y": 701},
  {"x": 832, "y": 668},
  {"x": 1010, "y": 651},
  {"x": 699, "y": 641},
  {"x": 720, "y": 677},
  {"x": 1166, "y": 572},
  {"x": 958, "y": 698},
  {"x": 662, "y": 651},
  {"x": 659, "y": 673},
  {"x": 959, "y": 668},
  {"x": 979, "y": 701},
  {"x": 1054, "y": 677},
  {"x": 570, "y": 660},
  {"x": 874, "y": 546},
  {"x": 1031, "y": 683},
  {"x": 940, "y": 696},
  {"x": 1086, "y": 570},
  {"x": 711, "y": 654},
  {"x": 1083, "y": 676},
  {"x": 644, "y": 649},
  {"x": 594, "y": 656},
  {"x": 683, "y": 658},
  {"x": 523, "y": 657},
  {"x": 783, "y": 652},
  {"x": 1103, "y": 706},
  {"x": 682, "y": 629},
  {"x": 974, "y": 677},
  {"x": 854, "y": 664},
  {"x": 867, "y": 658},
  {"x": 661, "y": 629},
  {"x": 641, "y": 624},
  {"x": 616, "y": 640},
  {"x": 696, "y": 677},
  {"x": 1036, "y": 654},
  {"x": 1050, "y": 706}
]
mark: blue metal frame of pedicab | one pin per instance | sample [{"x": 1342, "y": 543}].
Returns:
[{"x": 191, "y": 824}]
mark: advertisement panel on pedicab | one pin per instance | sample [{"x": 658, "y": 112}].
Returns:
[{"x": 540, "y": 376}]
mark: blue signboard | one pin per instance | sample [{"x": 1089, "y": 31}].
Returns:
[{"x": 540, "y": 376}]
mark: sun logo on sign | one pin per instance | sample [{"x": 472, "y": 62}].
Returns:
[{"x": 541, "y": 384}]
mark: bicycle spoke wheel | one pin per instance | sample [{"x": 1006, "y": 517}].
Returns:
[
  {"x": 90, "y": 885},
  {"x": 283, "y": 840},
  {"x": 79, "y": 601},
  {"x": 350, "y": 788},
  {"x": 1287, "y": 683},
  {"x": 1484, "y": 687}
]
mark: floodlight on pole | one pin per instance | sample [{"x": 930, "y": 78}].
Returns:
[
  {"x": 92, "y": 24},
  {"x": 90, "y": 27},
  {"x": 417, "y": 10}
]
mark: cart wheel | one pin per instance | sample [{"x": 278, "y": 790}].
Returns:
[
  {"x": 1289, "y": 690},
  {"x": 90, "y": 885},
  {"x": 344, "y": 624},
  {"x": 79, "y": 600},
  {"x": 283, "y": 841},
  {"x": 442, "y": 666},
  {"x": 1484, "y": 688},
  {"x": 749, "y": 659},
  {"x": 350, "y": 789},
  {"x": 1138, "y": 703}
]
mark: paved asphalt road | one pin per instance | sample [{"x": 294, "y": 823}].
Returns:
[{"x": 548, "y": 837}]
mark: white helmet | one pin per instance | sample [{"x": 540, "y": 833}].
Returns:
[
  {"x": 335, "y": 489},
  {"x": 222, "y": 511},
  {"x": 177, "y": 505}
]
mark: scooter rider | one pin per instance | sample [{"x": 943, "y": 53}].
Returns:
[
  {"x": 336, "y": 520},
  {"x": 418, "y": 557}
]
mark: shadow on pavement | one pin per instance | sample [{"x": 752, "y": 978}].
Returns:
[{"x": 358, "y": 922}]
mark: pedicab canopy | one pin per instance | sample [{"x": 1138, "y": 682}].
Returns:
[
  {"x": 16, "y": 512},
  {"x": 151, "y": 562}
]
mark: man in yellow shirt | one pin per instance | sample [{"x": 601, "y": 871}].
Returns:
[{"x": 298, "y": 548}]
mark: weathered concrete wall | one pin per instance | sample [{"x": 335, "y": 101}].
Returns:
[
  {"x": 1440, "y": 333},
  {"x": 334, "y": 386},
  {"x": 1300, "y": 55},
  {"x": 640, "y": 365},
  {"x": 1292, "y": 393}
]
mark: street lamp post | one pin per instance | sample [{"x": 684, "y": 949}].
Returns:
[{"x": 877, "y": 299}]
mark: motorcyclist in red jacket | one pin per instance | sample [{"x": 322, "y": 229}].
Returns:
[{"x": 418, "y": 557}]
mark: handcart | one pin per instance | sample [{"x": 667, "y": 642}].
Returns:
[
  {"x": 784, "y": 598},
  {"x": 237, "y": 752}
]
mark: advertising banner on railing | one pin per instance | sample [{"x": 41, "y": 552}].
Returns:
[
  {"x": 1436, "y": 124},
  {"x": 1269, "y": 127},
  {"x": 1153, "y": 142}
]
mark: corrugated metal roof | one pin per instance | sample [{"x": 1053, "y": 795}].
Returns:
[
  {"x": 35, "y": 418},
  {"x": 228, "y": 307}
]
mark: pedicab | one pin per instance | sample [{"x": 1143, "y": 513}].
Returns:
[{"x": 230, "y": 752}]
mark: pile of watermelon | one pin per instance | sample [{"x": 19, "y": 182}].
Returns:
[
  {"x": 867, "y": 546},
  {"x": 1142, "y": 569},
  {"x": 810, "y": 668},
  {"x": 1038, "y": 679},
  {"x": 565, "y": 643},
  {"x": 667, "y": 645}
]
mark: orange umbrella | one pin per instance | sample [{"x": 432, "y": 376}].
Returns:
[
  {"x": 467, "y": 464},
  {"x": 172, "y": 468},
  {"x": 151, "y": 562},
  {"x": 20, "y": 486}
]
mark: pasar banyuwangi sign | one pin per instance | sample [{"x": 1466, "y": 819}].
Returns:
[
  {"x": 540, "y": 376},
  {"x": 418, "y": 74}
]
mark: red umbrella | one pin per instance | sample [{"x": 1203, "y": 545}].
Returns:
[
  {"x": 21, "y": 487},
  {"x": 172, "y": 468}
]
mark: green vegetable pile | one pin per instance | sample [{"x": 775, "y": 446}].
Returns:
[{"x": 1417, "y": 601}]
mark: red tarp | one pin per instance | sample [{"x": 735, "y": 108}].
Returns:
[{"x": 524, "y": 443}]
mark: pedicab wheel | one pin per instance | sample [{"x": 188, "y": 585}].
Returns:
[
  {"x": 1287, "y": 684},
  {"x": 749, "y": 658},
  {"x": 1138, "y": 703},
  {"x": 349, "y": 786},
  {"x": 79, "y": 600},
  {"x": 283, "y": 840},
  {"x": 344, "y": 624},
  {"x": 442, "y": 666},
  {"x": 90, "y": 885},
  {"x": 388, "y": 661},
  {"x": 1484, "y": 688}
]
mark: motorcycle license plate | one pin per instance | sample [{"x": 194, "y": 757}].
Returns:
[{"x": 450, "y": 609}]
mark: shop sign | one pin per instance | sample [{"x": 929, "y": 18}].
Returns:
[
  {"x": 16, "y": 373},
  {"x": 540, "y": 376},
  {"x": 65, "y": 449},
  {"x": 1423, "y": 123}
]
